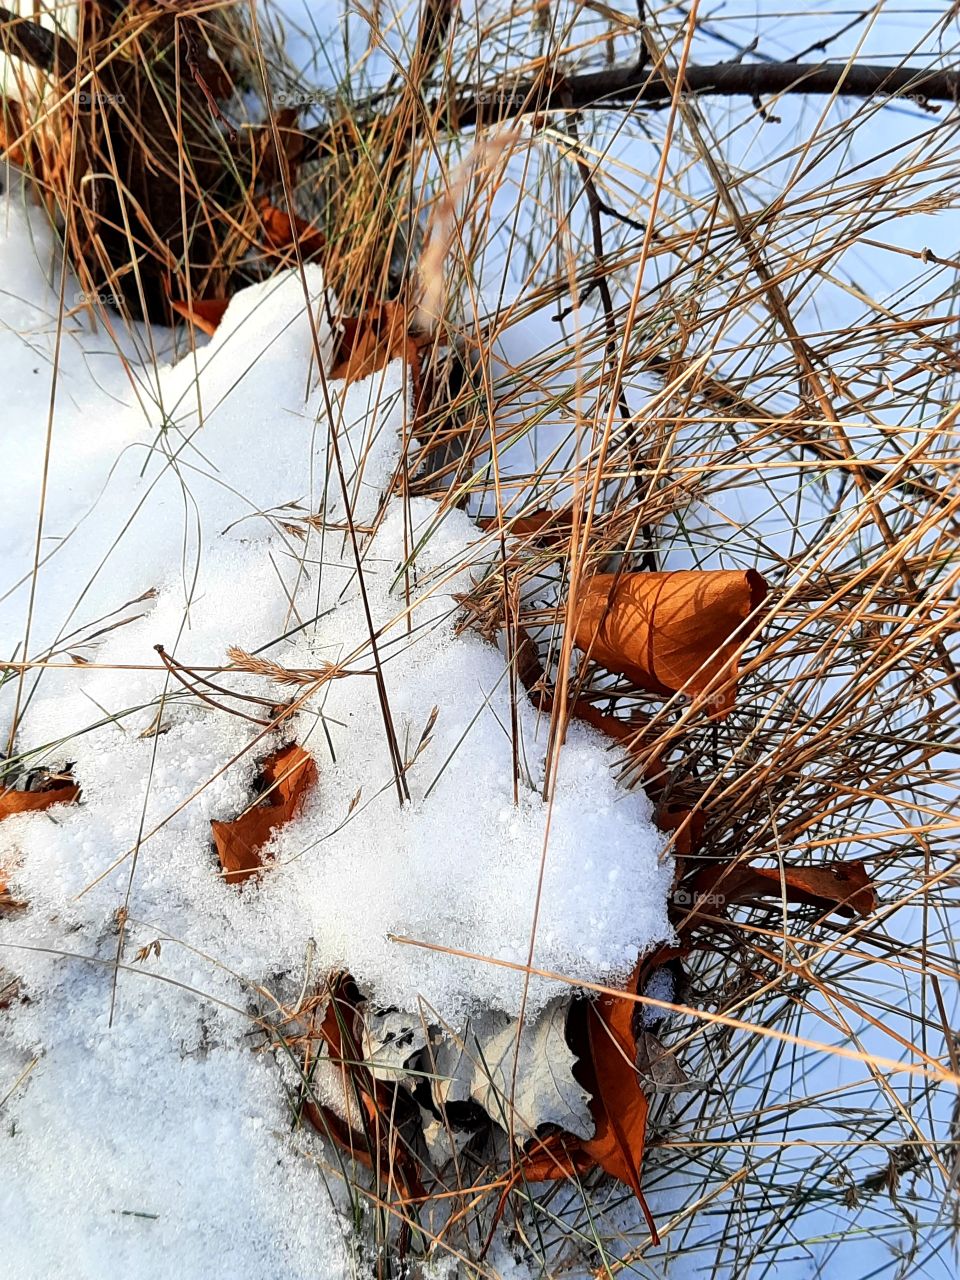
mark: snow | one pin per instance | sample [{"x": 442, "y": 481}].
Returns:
[
  {"x": 145, "y": 1117},
  {"x": 175, "y": 513}
]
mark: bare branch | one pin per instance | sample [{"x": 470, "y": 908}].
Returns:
[
  {"x": 634, "y": 86},
  {"x": 627, "y": 86}
]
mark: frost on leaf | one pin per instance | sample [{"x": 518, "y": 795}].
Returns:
[{"x": 479, "y": 1067}]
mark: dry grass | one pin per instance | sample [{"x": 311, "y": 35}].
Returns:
[{"x": 749, "y": 362}]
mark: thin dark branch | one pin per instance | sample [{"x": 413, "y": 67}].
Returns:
[
  {"x": 596, "y": 207},
  {"x": 622, "y": 86},
  {"x": 821, "y": 46},
  {"x": 41, "y": 48},
  {"x": 633, "y": 86}
]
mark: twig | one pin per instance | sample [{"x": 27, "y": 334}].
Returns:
[{"x": 634, "y": 86}]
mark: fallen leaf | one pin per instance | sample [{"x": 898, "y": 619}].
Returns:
[
  {"x": 57, "y": 790},
  {"x": 285, "y": 778},
  {"x": 670, "y": 631},
  {"x": 329, "y": 1125},
  {"x": 545, "y": 524},
  {"x": 390, "y": 1040},
  {"x": 835, "y": 886},
  {"x": 479, "y": 1066},
  {"x": 549, "y": 1159},
  {"x": 282, "y": 233},
  {"x": 205, "y": 313},
  {"x": 372, "y": 340},
  {"x": 552, "y": 1158},
  {"x": 687, "y": 823},
  {"x": 341, "y": 1028},
  {"x": 619, "y": 1105},
  {"x": 658, "y": 1067}
]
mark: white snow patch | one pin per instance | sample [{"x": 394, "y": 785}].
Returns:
[{"x": 170, "y": 517}]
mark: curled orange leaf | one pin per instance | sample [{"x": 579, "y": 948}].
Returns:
[
  {"x": 619, "y": 1105},
  {"x": 282, "y": 232},
  {"x": 205, "y": 313},
  {"x": 670, "y": 631},
  {"x": 836, "y": 886},
  {"x": 285, "y": 778}
]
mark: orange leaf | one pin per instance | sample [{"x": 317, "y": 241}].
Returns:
[
  {"x": 372, "y": 341},
  {"x": 282, "y": 232},
  {"x": 670, "y": 631},
  {"x": 329, "y": 1125},
  {"x": 835, "y": 886},
  {"x": 545, "y": 522},
  {"x": 12, "y": 802},
  {"x": 549, "y": 1159},
  {"x": 284, "y": 779},
  {"x": 688, "y": 823},
  {"x": 341, "y": 1029},
  {"x": 58, "y": 791},
  {"x": 619, "y": 1105},
  {"x": 205, "y": 313}
]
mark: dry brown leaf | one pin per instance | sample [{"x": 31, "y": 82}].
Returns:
[
  {"x": 341, "y": 1029},
  {"x": 285, "y": 778},
  {"x": 61, "y": 792},
  {"x": 610, "y": 1058},
  {"x": 657, "y": 1066},
  {"x": 329, "y": 1125},
  {"x": 551, "y": 1159},
  {"x": 670, "y": 631},
  {"x": 619, "y": 1105},
  {"x": 835, "y": 886},
  {"x": 281, "y": 232},
  {"x": 205, "y": 313},
  {"x": 544, "y": 524},
  {"x": 58, "y": 791},
  {"x": 687, "y": 823},
  {"x": 372, "y": 340}
]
